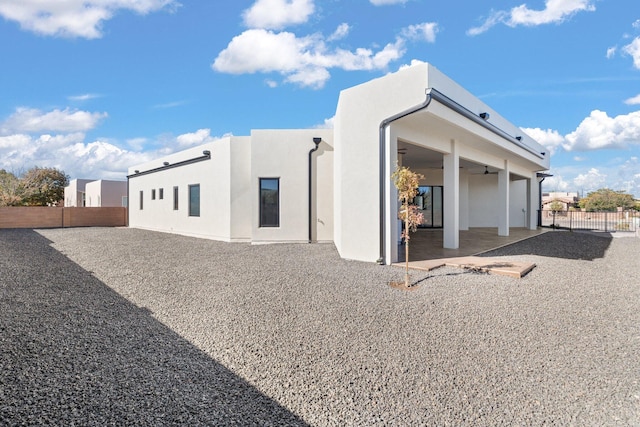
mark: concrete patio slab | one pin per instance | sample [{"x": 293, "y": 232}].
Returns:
[
  {"x": 500, "y": 267},
  {"x": 426, "y": 252}
]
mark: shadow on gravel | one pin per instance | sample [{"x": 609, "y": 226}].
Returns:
[
  {"x": 74, "y": 352},
  {"x": 558, "y": 244}
]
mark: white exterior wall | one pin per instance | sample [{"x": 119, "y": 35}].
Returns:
[
  {"x": 213, "y": 176},
  {"x": 284, "y": 154},
  {"x": 360, "y": 111},
  {"x": 73, "y": 192},
  {"x": 483, "y": 194},
  {"x": 467, "y": 204},
  {"x": 104, "y": 193}
]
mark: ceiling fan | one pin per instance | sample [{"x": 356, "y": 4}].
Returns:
[{"x": 486, "y": 172}]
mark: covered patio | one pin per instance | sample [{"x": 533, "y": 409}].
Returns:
[{"x": 426, "y": 251}]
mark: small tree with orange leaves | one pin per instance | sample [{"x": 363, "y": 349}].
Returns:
[{"x": 406, "y": 182}]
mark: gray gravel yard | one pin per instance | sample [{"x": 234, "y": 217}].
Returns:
[{"x": 118, "y": 326}]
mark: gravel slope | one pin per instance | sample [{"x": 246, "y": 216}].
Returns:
[{"x": 125, "y": 326}]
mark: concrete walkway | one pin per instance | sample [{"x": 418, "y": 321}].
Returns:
[{"x": 426, "y": 251}]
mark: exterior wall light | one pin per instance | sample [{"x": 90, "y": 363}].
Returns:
[
  {"x": 136, "y": 171},
  {"x": 166, "y": 163},
  {"x": 206, "y": 152},
  {"x": 519, "y": 138},
  {"x": 485, "y": 116}
]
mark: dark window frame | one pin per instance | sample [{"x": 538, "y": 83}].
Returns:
[
  {"x": 153, "y": 194},
  {"x": 194, "y": 210},
  {"x": 141, "y": 199},
  {"x": 175, "y": 198},
  {"x": 161, "y": 193},
  {"x": 265, "y": 219}
]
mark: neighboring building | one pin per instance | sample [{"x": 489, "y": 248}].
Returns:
[
  {"x": 567, "y": 200},
  {"x": 95, "y": 193},
  {"x": 74, "y": 193},
  {"x": 104, "y": 193},
  {"x": 273, "y": 186}
]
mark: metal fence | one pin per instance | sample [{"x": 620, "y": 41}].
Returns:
[{"x": 600, "y": 221}]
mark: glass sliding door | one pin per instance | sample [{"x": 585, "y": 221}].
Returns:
[{"x": 429, "y": 201}]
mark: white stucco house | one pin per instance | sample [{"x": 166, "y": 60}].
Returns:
[
  {"x": 95, "y": 193},
  {"x": 334, "y": 185}
]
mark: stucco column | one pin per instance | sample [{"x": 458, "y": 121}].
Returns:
[
  {"x": 451, "y": 198},
  {"x": 503, "y": 200},
  {"x": 391, "y": 197},
  {"x": 532, "y": 202}
]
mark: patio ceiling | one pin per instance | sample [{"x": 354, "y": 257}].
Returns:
[{"x": 425, "y": 122}]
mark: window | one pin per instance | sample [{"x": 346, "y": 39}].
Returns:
[
  {"x": 194, "y": 200},
  {"x": 269, "y": 202},
  {"x": 141, "y": 199},
  {"x": 161, "y": 193},
  {"x": 175, "y": 198},
  {"x": 153, "y": 194},
  {"x": 125, "y": 201}
]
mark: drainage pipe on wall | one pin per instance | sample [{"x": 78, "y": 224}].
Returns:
[
  {"x": 432, "y": 94},
  {"x": 316, "y": 140},
  {"x": 383, "y": 178}
]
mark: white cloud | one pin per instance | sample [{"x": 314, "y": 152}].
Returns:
[
  {"x": 549, "y": 138},
  {"x": 327, "y": 124},
  {"x": 386, "y": 2},
  {"x": 555, "y": 183},
  {"x": 29, "y": 120},
  {"x": 277, "y": 14},
  {"x": 426, "y": 31},
  {"x": 199, "y": 137},
  {"x": 73, "y": 18},
  {"x": 83, "y": 97},
  {"x": 633, "y": 50},
  {"x": 599, "y": 131},
  {"x": 592, "y": 180},
  {"x": 611, "y": 52},
  {"x": 341, "y": 32},
  {"x": 633, "y": 100},
  {"x": 555, "y": 11},
  {"x": 302, "y": 60},
  {"x": 579, "y": 158}
]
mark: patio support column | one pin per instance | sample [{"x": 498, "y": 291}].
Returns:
[
  {"x": 532, "y": 202},
  {"x": 503, "y": 200},
  {"x": 391, "y": 197},
  {"x": 451, "y": 199}
]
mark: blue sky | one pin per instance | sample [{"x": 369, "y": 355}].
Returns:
[{"x": 95, "y": 86}]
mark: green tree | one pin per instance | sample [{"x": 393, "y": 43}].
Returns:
[
  {"x": 43, "y": 186},
  {"x": 407, "y": 182},
  {"x": 556, "y": 206},
  {"x": 606, "y": 199},
  {"x": 10, "y": 189}
]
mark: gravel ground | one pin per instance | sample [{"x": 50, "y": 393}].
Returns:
[{"x": 121, "y": 326}]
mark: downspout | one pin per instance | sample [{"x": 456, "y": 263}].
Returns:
[
  {"x": 128, "y": 202},
  {"x": 447, "y": 102},
  {"x": 316, "y": 140},
  {"x": 383, "y": 178}
]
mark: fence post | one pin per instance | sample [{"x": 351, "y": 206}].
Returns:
[
  {"x": 554, "y": 220},
  {"x": 570, "y": 221}
]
